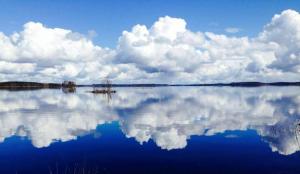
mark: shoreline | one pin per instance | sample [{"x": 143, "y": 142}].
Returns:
[{"x": 19, "y": 85}]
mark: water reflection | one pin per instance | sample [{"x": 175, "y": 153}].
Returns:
[{"x": 168, "y": 116}]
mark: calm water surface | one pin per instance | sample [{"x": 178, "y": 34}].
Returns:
[{"x": 151, "y": 130}]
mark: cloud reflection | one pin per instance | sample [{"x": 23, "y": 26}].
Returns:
[{"x": 168, "y": 116}]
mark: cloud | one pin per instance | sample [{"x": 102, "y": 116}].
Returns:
[
  {"x": 232, "y": 30},
  {"x": 166, "y": 52},
  {"x": 284, "y": 32}
]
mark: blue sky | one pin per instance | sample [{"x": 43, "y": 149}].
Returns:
[
  {"x": 109, "y": 18},
  {"x": 153, "y": 41}
]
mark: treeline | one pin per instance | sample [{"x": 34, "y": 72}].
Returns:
[
  {"x": 28, "y": 85},
  {"x": 18, "y": 85},
  {"x": 233, "y": 84},
  {"x": 250, "y": 84}
]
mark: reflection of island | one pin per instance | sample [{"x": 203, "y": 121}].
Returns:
[{"x": 164, "y": 115}]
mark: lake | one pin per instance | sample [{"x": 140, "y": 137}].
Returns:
[{"x": 151, "y": 130}]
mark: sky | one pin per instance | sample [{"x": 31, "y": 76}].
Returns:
[{"x": 150, "y": 41}]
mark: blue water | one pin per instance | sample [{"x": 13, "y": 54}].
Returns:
[{"x": 151, "y": 130}]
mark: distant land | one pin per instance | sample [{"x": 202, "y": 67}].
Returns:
[
  {"x": 19, "y": 85},
  {"x": 233, "y": 84}
]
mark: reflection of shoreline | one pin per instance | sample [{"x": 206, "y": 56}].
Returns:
[{"x": 165, "y": 115}]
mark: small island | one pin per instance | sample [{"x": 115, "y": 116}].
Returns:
[{"x": 105, "y": 89}]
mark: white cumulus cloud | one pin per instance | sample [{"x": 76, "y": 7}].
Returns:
[{"x": 166, "y": 52}]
